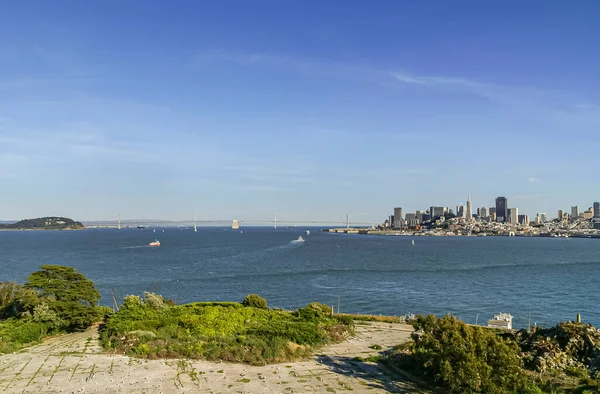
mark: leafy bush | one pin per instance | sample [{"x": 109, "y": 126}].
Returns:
[
  {"x": 324, "y": 309},
  {"x": 255, "y": 301},
  {"x": 15, "y": 299},
  {"x": 43, "y": 314},
  {"x": 216, "y": 331},
  {"x": 466, "y": 359},
  {"x": 155, "y": 301},
  {"x": 15, "y": 333}
]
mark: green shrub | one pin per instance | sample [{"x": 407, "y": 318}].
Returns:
[
  {"x": 16, "y": 299},
  {"x": 345, "y": 320},
  {"x": 466, "y": 359},
  {"x": 323, "y": 309},
  {"x": 216, "y": 331},
  {"x": 255, "y": 301},
  {"x": 155, "y": 301},
  {"x": 15, "y": 333}
]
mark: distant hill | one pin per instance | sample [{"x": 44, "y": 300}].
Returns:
[{"x": 46, "y": 223}]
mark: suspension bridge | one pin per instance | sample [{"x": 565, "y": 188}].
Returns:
[{"x": 274, "y": 222}]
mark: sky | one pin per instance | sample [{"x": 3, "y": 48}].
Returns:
[{"x": 310, "y": 110}]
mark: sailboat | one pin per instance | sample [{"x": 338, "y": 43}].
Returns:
[
  {"x": 195, "y": 227},
  {"x": 413, "y": 242},
  {"x": 307, "y": 232}
]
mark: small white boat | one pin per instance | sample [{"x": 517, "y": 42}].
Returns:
[
  {"x": 155, "y": 243},
  {"x": 300, "y": 239},
  {"x": 413, "y": 242},
  {"x": 307, "y": 232}
]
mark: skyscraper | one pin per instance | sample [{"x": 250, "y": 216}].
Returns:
[
  {"x": 460, "y": 210},
  {"x": 397, "y": 217},
  {"x": 574, "y": 212},
  {"x": 436, "y": 212},
  {"x": 523, "y": 219},
  {"x": 560, "y": 214},
  {"x": 597, "y": 210},
  {"x": 484, "y": 212},
  {"x": 514, "y": 215},
  {"x": 469, "y": 213},
  {"x": 501, "y": 209}
]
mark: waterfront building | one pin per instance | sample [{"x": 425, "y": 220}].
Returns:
[
  {"x": 501, "y": 321},
  {"x": 436, "y": 212},
  {"x": 574, "y": 212},
  {"x": 484, "y": 212},
  {"x": 397, "y": 217},
  {"x": 501, "y": 209},
  {"x": 597, "y": 210},
  {"x": 460, "y": 211},
  {"x": 469, "y": 213},
  {"x": 524, "y": 219},
  {"x": 513, "y": 215},
  {"x": 411, "y": 219}
]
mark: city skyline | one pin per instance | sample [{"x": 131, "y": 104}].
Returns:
[
  {"x": 512, "y": 212},
  {"x": 310, "y": 110}
]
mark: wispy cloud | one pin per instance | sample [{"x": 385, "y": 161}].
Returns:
[
  {"x": 532, "y": 179},
  {"x": 71, "y": 145},
  {"x": 516, "y": 96},
  {"x": 338, "y": 70},
  {"x": 394, "y": 172}
]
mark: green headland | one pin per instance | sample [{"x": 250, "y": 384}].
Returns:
[{"x": 45, "y": 223}]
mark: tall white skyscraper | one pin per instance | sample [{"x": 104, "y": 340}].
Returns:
[
  {"x": 514, "y": 215},
  {"x": 469, "y": 214}
]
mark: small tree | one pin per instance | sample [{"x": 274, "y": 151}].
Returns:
[
  {"x": 68, "y": 293},
  {"x": 256, "y": 301}
]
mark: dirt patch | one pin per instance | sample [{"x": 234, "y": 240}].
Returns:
[{"x": 75, "y": 363}]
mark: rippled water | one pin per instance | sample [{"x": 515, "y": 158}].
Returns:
[{"x": 548, "y": 279}]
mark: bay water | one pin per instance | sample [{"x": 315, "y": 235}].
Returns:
[{"x": 538, "y": 280}]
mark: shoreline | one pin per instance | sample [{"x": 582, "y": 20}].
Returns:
[
  {"x": 394, "y": 233},
  {"x": 42, "y": 229}
]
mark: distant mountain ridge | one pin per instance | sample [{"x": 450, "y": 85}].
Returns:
[{"x": 45, "y": 223}]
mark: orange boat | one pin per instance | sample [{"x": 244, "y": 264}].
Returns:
[{"x": 155, "y": 243}]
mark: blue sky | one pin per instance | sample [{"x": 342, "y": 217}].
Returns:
[{"x": 307, "y": 109}]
